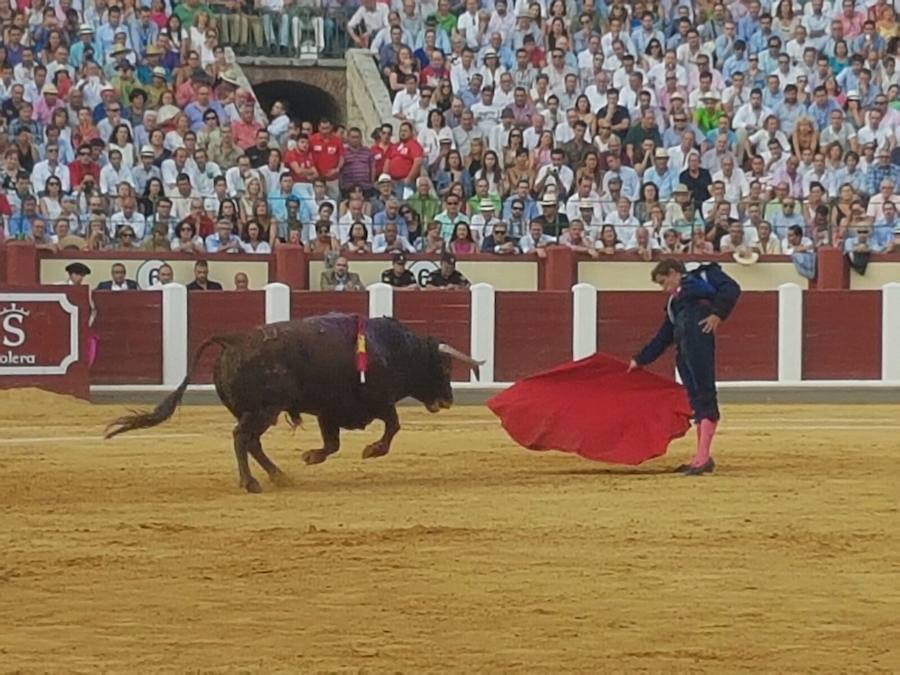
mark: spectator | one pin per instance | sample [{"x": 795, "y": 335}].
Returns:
[
  {"x": 119, "y": 282},
  {"x": 499, "y": 242},
  {"x": 390, "y": 240},
  {"x": 536, "y": 241},
  {"x": 447, "y": 276},
  {"x": 340, "y": 278},
  {"x": 578, "y": 240},
  {"x": 223, "y": 240},
  {"x": 201, "y": 281},
  {"x": 242, "y": 281},
  {"x": 398, "y": 276}
]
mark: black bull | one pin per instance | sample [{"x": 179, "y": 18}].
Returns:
[{"x": 309, "y": 366}]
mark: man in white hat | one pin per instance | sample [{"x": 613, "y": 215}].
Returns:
[
  {"x": 145, "y": 170},
  {"x": 46, "y": 104},
  {"x": 664, "y": 178},
  {"x": 85, "y": 41}
]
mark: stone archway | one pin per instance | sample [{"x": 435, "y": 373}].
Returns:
[{"x": 304, "y": 101}]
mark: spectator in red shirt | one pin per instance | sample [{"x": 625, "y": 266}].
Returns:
[
  {"x": 404, "y": 159},
  {"x": 435, "y": 71},
  {"x": 244, "y": 130},
  {"x": 83, "y": 166},
  {"x": 382, "y": 144},
  {"x": 328, "y": 155},
  {"x": 300, "y": 161}
]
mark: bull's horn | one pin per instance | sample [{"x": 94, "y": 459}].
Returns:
[{"x": 459, "y": 356}]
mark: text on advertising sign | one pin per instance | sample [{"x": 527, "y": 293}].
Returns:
[{"x": 38, "y": 334}]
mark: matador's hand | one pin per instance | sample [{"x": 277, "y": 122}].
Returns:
[{"x": 710, "y": 323}]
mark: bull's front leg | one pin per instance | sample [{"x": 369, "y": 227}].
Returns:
[
  {"x": 331, "y": 437},
  {"x": 382, "y": 446}
]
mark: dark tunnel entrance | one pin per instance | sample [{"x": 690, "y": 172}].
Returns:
[{"x": 304, "y": 101}]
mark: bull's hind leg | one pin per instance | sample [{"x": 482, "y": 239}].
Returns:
[
  {"x": 382, "y": 446},
  {"x": 245, "y": 435},
  {"x": 331, "y": 436}
]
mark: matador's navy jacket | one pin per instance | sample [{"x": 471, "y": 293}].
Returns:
[{"x": 703, "y": 291}]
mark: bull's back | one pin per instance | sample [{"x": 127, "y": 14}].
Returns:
[{"x": 309, "y": 366}]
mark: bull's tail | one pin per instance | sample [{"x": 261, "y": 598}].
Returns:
[{"x": 166, "y": 407}]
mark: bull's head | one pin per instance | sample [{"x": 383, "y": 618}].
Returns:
[{"x": 441, "y": 395}]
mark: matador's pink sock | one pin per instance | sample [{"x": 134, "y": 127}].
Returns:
[{"x": 706, "y": 431}]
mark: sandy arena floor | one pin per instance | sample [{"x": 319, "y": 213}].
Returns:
[{"x": 457, "y": 553}]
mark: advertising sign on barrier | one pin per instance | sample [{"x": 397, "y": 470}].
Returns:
[{"x": 42, "y": 337}]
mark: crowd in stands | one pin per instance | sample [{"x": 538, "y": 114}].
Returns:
[{"x": 647, "y": 126}]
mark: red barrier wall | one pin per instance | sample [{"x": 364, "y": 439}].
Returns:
[
  {"x": 626, "y": 320},
  {"x": 842, "y": 335},
  {"x": 129, "y": 327},
  {"x": 216, "y": 312},
  {"x": 310, "y": 303},
  {"x": 747, "y": 344},
  {"x": 445, "y": 315},
  {"x": 533, "y": 331}
]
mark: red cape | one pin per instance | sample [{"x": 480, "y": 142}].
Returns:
[{"x": 594, "y": 408}]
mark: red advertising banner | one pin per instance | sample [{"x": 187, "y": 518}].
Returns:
[{"x": 43, "y": 334}]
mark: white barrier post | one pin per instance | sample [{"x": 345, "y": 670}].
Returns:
[
  {"x": 381, "y": 300},
  {"x": 278, "y": 302},
  {"x": 481, "y": 326},
  {"x": 174, "y": 334},
  {"x": 890, "y": 332},
  {"x": 790, "y": 333},
  {"x": 584, "y": 321}
]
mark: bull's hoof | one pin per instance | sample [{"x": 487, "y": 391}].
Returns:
[
  {"x": 253, "y": 486},
  {"x": 314, "y": 456},
  {"x": 375, "y": 450},
  {"x": 281, "y": 479}
]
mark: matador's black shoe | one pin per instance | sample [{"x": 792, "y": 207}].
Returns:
[
  {"x": 708, "y": 467},
  {"x": 681, "y": 468}
]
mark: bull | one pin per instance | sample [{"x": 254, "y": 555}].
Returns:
[{"x": 310, "y": 366}]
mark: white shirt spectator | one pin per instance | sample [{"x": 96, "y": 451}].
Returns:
[
  {"x": 404, "y": 102},
  {"x": 746, "y": 117},
  {"x": 787, "y": 249},
  {"x": 342, "y": 231},
  {"x": 751, "y": 238},
  {"x": 214, "y": 243},
  {"x": 565, "y": 175},
  {"x": 459, "y": 77},
  {"x": 236, "y": 183},
  {"x": 881, "y": 136},
  {"x": 42, "y": 171},
  {"x": 169, "y": 172},
  {"x": 487, "y": 116},
  {"x": 375, "y": 20},
  {"x": 527, "y": 243},
  {"x": 135, "y": 219},
  {"x": 736, "y": 187},
  {"x": 261, "y": 247},
  {"x": 876, "y": 205},
  {"x": 110, "y": 177},
  {"x": 380, "y": 245},
  {"x": 625, "y": 227}
]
